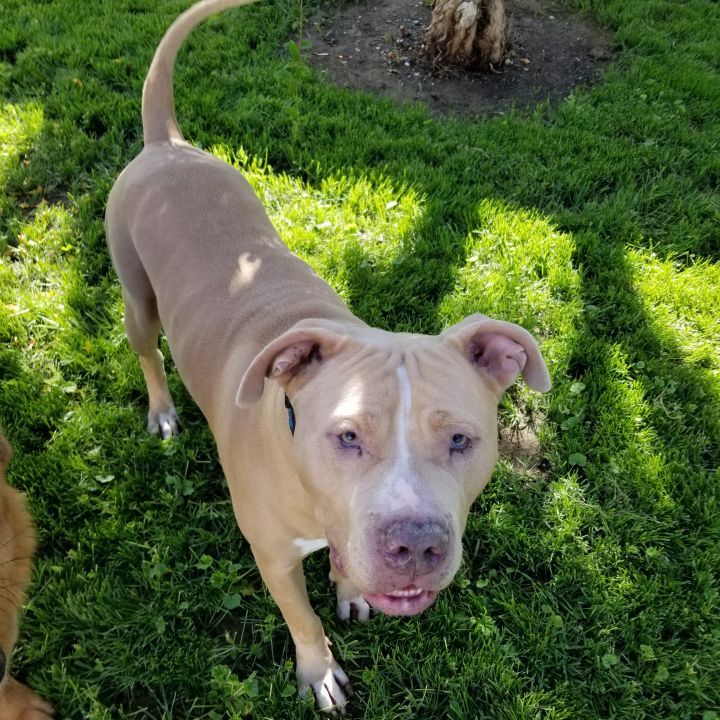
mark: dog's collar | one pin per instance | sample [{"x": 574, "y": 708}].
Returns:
[{"x": 291, "y": 414}]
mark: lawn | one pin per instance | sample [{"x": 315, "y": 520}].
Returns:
[{"x": 589, "y": 587}]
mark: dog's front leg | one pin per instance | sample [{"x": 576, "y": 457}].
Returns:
[
  {"x": 316, "y": 666},
  {"x": 351, "y": 605}
]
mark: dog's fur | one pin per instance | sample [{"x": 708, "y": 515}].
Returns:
[
  {"x": 392, "y": 436},
  {"x": 17, "y": 544}
]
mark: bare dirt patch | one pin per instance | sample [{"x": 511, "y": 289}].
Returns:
[
  {"x": 519, "y": 446},
  {"x": 377, "y": 46}
]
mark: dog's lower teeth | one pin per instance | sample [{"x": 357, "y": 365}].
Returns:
[{"x": 406, "y": 593}]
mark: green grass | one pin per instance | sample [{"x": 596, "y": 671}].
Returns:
[{"x": 590, "y": 582}]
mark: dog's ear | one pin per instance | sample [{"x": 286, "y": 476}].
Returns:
[
  {"x": 500, "y": 350},
  {"x": 284, "y": 358}
]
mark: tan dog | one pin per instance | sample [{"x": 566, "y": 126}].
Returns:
[
  {"x": 17, "y": 544},
  {"x": 329, "y": 432}
]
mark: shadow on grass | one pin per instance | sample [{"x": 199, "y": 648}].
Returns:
[
  {"x": 647, "y": 419},
  {"x": 647, "y": 430},
  {"x": 651, "y": 450},
  {"x": 649, "y": 435}
]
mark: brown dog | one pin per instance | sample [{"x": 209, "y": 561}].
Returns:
[{"x": 17, "y": 544}]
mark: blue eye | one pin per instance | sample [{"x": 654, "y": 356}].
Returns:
[
  {"x": 349, "y": 439},
  {"x": 459, "y": 443}
]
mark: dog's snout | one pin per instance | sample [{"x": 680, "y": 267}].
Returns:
[{"x": 411, "y": 547}]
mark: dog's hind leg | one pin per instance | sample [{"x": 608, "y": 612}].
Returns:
[{"x": 142, "y": 327}]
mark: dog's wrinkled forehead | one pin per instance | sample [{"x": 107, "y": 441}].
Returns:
[
  {"x": 384, "y": 384},
  {"x": 478, "y": 352},
  {"x": 368, "y": 389}
]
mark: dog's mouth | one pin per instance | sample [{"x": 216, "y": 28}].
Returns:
[{"x": 410, "y": 600}]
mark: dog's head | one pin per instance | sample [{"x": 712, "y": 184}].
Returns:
[
  {"x": 17, "y": 543},
  {"x": 397, "y": 434}
]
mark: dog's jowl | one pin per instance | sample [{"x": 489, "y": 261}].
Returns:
[{"x": 330, "y": 433}]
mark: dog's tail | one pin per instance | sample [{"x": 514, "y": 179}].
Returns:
[{"x": 158, "y": 107}]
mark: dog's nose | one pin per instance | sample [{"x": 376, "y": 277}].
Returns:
[{"x": 411, "y": 547}]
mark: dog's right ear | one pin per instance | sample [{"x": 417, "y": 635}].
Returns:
[{"x": 287, "y": 356}]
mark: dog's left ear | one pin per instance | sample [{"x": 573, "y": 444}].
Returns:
[
  {"x": 500, "y": 350},
  {"x": 284, "y": 358}
]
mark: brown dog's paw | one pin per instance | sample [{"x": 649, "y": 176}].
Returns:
[{"x": 18, "y": 702}]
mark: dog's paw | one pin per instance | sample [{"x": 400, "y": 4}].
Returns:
[
  {"x": 18, "y": 702},
  {"x": 332, "y": 689},
  {"x": 353, "y": 608},
  {"x": 164, "y": 424},
  {"x": 351, "y": 605}
]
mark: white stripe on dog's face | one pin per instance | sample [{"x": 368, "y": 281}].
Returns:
[
  {"x": 401, "y": 495},
  {"x": 403, "y": 415}
]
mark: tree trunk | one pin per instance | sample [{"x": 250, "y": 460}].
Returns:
[{"x": 467, "y": 32}]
